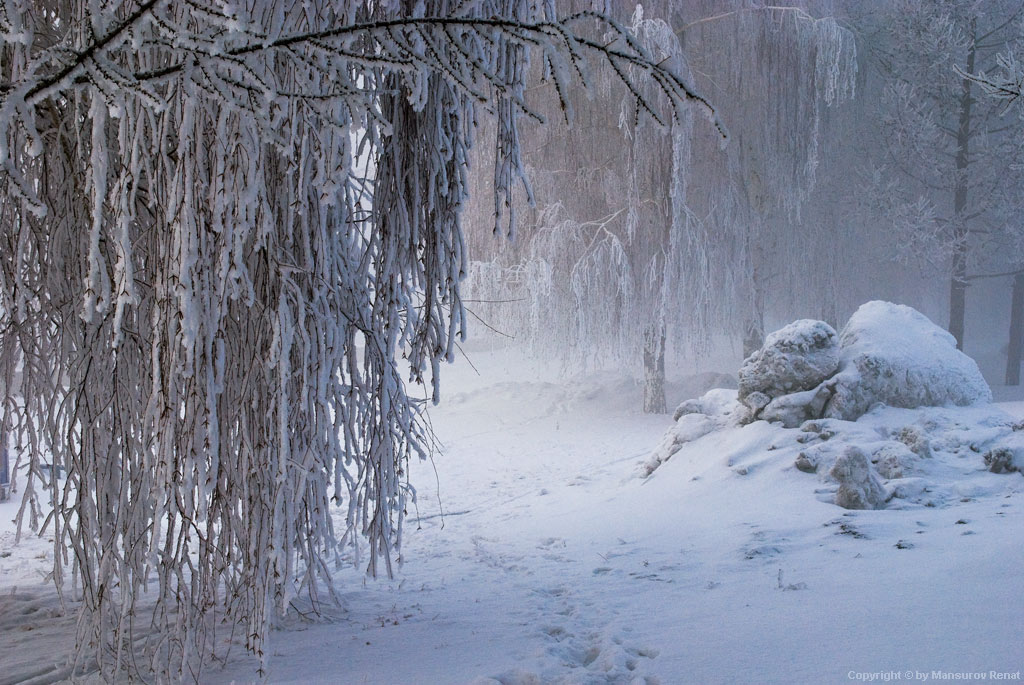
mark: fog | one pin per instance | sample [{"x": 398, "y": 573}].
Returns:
[{"x": 860, "y": 162}]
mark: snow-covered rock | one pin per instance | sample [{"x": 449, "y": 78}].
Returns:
[
  {"x": 915, "y": 439},
  {"x": 1007, "y": 455},
  {"x": 794, "y": 409},
  {"x": 805, "y": 375},
  {"x": 1001, "y": 460},
  {"x": 893, "y": 354},
  {"x": 893, "y": 460},
  {"x": 859, "y": 484},
  {"x": 795, "y": 358}
]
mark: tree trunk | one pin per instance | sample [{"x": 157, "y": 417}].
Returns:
[
  {"x": 829, "y": 314},
  {"x": 654, "y": 372},
  {"x": 958, "y": 293},
  {"x": 753, "y": 327},
  {"x": 1013, "y": 350},
  {"x": 958, "y": 280},
  {"x": 753, "y": 336}
]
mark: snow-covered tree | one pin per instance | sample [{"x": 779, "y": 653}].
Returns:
[
  {"x": 222, "y": 226},
  {"x": 781, "y": 72},
  {"x": 1006, "y": 82},
  {"x": 949, "y": 177}
]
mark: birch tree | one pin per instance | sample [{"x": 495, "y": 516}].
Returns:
[{"x": 222, "y": 227}]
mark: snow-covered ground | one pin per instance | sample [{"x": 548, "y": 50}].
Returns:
[{"x": 536, "y": 554}]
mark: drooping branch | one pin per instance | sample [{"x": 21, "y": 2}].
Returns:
[
  {"x": 246, "y": 227},
  {"x": 383, "y": 48}
]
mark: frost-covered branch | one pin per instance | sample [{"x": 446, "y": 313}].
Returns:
[{"x": 1007, "y": 84}]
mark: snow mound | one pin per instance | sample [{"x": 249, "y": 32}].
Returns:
[
  {"x": 860, "y": 486},
  {"x": 694, "y": 419},
  {"x": 890, "y": 458},
  {"x": 895, "y": 355},
  {"x": 717, "y": 402},
  {"x": 794, "y": 358}
]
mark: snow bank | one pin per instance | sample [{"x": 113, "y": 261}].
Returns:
[
  {"x": 893, "y": 354},
  {"x": 694, "y": 419}
]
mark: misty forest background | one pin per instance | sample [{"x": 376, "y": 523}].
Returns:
[{"x": 861, "y": 165}]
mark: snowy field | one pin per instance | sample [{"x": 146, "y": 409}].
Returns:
[{"x": 536, "y": 554}]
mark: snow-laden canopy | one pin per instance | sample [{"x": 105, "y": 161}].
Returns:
[{"x": 222, "y": 227}]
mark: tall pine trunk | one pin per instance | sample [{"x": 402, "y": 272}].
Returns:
[
  {"x": 1013, "y": 350},
  {"x": 958, "y": 279},
  {"x": 654, "y": 371}
]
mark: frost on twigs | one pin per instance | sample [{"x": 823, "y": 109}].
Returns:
[{"x": 251, "y": 212}]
